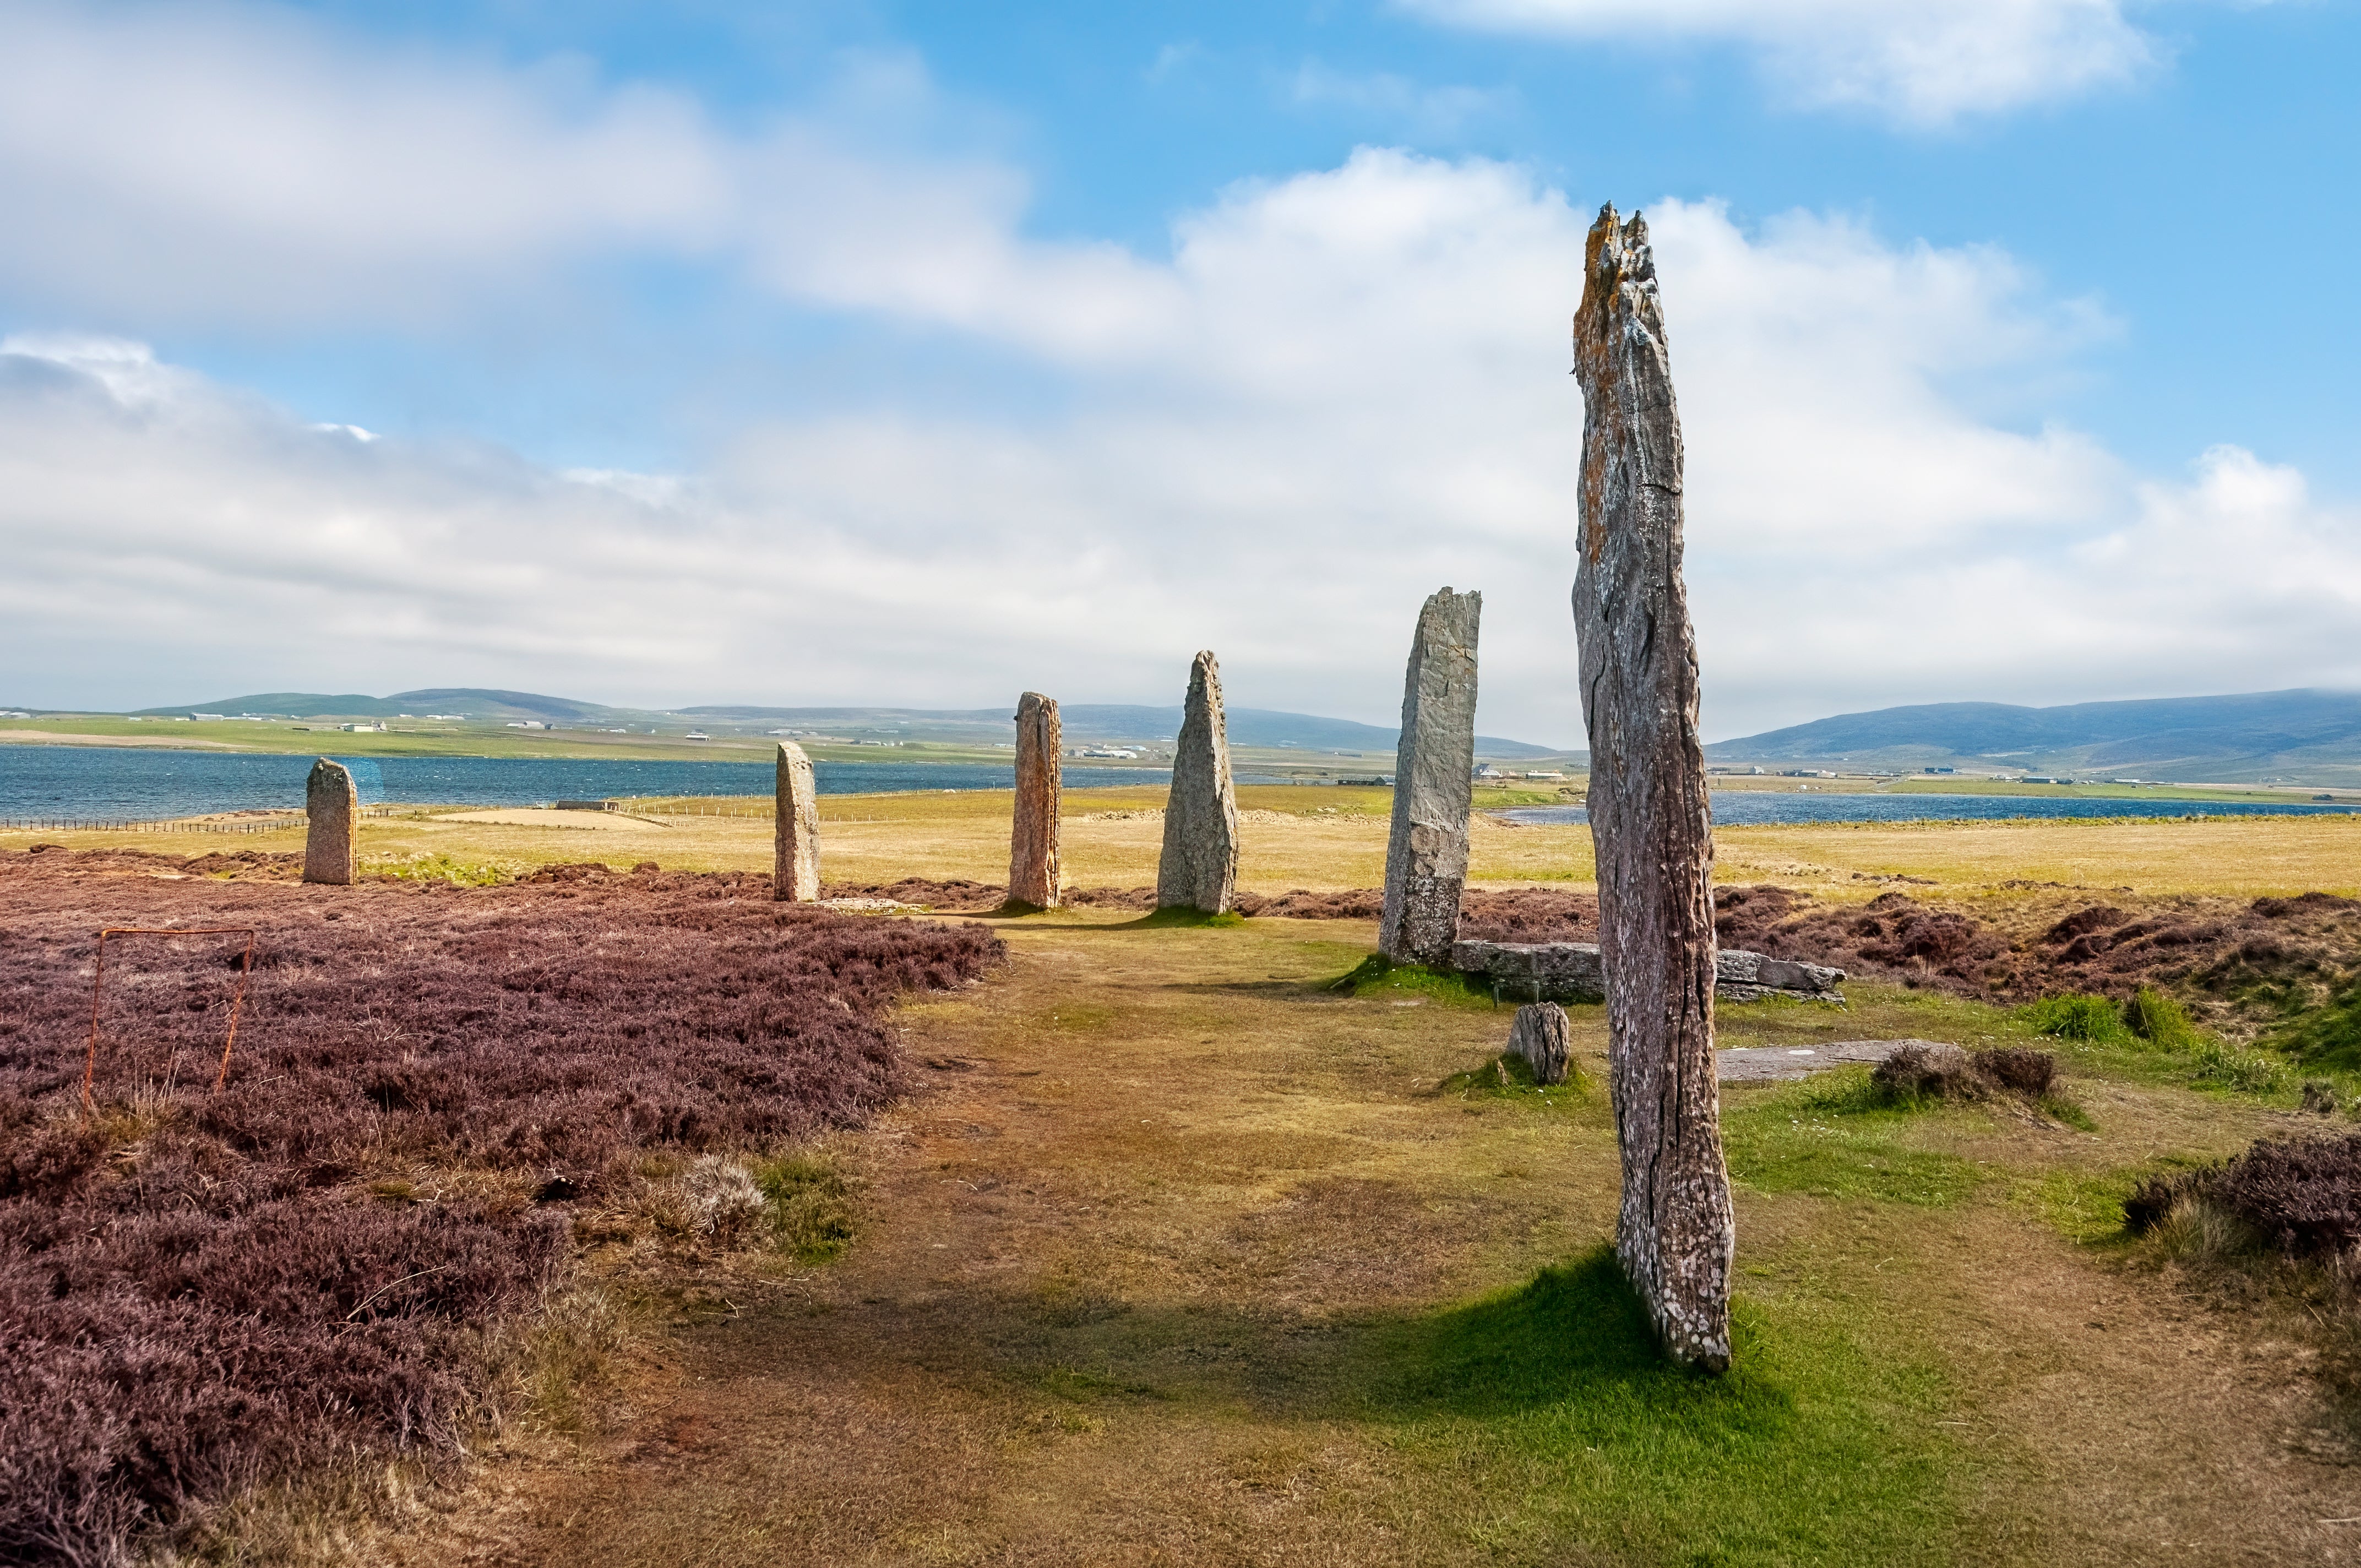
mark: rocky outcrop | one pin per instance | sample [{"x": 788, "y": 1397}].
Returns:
[
  {"x": 1676, "y": 1233},
  {"x": 1541, "y": 1035},
  {"x": 1033, "y": 875},
  {"x": 1575, "y": 971},
  {"x": 1199, "y": 867},
  {"x": 1426, "y": 854},
  {"x": 795, "y": 836},
  {"x": 331, "y": 808}
]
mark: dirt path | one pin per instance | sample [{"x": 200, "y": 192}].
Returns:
[{"x": 1173, "y": 1263}]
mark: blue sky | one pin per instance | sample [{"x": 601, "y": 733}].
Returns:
[{"x": 852, "y": 353}]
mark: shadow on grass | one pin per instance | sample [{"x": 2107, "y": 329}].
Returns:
[
  {"x": 1577, "y": 1336},
  {"x": 1178, "y": 917}
]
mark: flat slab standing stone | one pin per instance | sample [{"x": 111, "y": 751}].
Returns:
[
  {"x": 1575, "y": 971},
  {"x": 795, "y": 837},
  {"x": 1199, "y": 867},
  {"x": 331, "y": 832},
  {"x": 1426, "y": 854},
  {"x": 1778, "y": 1064},
  {"x": 1033, "y": 875}
]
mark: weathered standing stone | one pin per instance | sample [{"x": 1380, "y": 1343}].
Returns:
[
  {"x": 332, "y": 809},
  {"x": 1033, "y": 840},
  {"x": 1649, "y": 818},
  {"x": 1540, "y": 1036},
  {"x": 1199, "y": 867},
  {"x": 1426, "y": 856},
  {"x": 795, "y": 837}
]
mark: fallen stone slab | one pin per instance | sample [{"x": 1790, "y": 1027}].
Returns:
[
  {"x": 1573, "y": 972},
  {"x": 1781, "y": 1064}
]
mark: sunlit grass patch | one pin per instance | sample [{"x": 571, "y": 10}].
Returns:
[
  {"x": 2081, "y": 1205},
  {"x": 1837, "y": 1135},
  {"x": 1379, "y": 976},
  {"x": 1563, "y": 1428},
  {"x": 425, "y": 867}
]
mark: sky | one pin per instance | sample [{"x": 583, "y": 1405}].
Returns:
[{"x": 922, "y": 354}]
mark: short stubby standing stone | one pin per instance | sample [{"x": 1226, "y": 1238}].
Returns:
[
  {"x": 1199, "y": 869},
  {"x": 1033, "y": 877},
  {"x": 331, "y": 808},
  {"x": 1540, "y": 1036},
  {"x": 1426, "y": 856},
  {"x": 795, "y": 837},
  {"x": 1650, "y": 824}
]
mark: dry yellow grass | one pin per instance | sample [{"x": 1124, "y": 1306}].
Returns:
[
  {"x": 1287, "y": 840},
  {"x": 1143, "y": 1257}
]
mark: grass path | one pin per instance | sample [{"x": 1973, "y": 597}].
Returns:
[{"x": 1180, "y": 1258}]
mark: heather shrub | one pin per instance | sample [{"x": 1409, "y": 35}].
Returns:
[
  {"x": 1927, "y": 1071},
  {"x": 1924, "y": 1070},
  {"x": 201, "y": 1292},
  {"x": 2300, "y": 1197}
]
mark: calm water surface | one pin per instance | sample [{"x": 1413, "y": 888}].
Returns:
[
  {"x": 109, "y": 782},
  {"x": 1748, "y": 807}
]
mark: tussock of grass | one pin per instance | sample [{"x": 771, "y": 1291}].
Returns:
[
  {"x": 812, "y": 1205},
  {"x": 1378, "y": 975},
  {"x": 1510, "y": 1077},
  {"x": 2157, "y": 1018},
  {"x": 2090, "y": 1018}
]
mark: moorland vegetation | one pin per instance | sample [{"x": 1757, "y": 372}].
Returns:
[{"x": 1157, "y": 1242}]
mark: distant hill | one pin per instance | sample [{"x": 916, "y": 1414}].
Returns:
[
  {"x": 2302, "y": 735},
  {"x": 1249, "y": 727},
  {"x": 469, "y": 701}
]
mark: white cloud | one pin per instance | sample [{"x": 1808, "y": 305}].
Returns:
[
  {"x": 211, "y": 161},
  {"x": 1924, "y": 61},
  {"x": 1343, "y": 390},
  {"x": 1337, "y": 393}
]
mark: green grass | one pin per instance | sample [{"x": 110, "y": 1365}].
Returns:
[
  {"x": 1836, "y": 1135},
  {"x": 1510, "y": 1077},
  {"x": 2153, "y": 1025},
  {"x": 2082, "y": 1206},
  {"x": 1379, "y": 976},
  {"x": 2090, "y": 1018},
  {"x": 1569, "y": 1437},
  {"x": 811, "y": 1203},
  {"x": 2325, "y": 1037},
  {"x": 424, "y": 866}
]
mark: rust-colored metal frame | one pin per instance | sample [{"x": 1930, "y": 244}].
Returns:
[{"x": 237, "y": 999}]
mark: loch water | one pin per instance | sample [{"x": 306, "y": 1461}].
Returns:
[{"x": 122, "y": 783}]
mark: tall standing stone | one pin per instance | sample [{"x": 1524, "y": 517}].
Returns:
[
  {"x": 794, "y": 836},
  {"x": 1199, "y": 869},
  {"x": 1649, "y": 818},
  {"x": 1033, "y": 876},
  {"x": 332, "y": 811},
  {"x": 1426, "y": 856}
]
